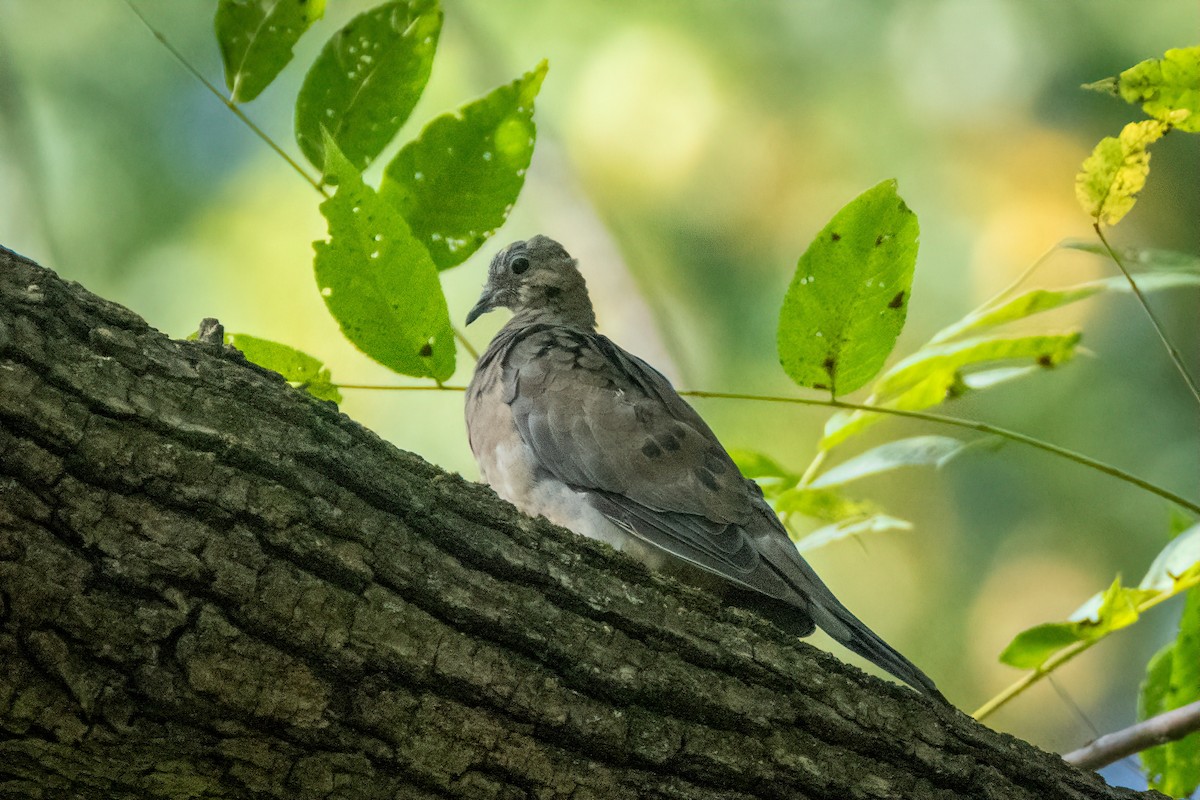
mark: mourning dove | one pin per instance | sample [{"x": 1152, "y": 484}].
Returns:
[{"x": 567, "y": 425}]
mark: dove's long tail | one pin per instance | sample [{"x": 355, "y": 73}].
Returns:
[{"x": 836, "y": 620}]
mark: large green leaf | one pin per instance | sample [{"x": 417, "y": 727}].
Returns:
[
  {"x": 365, "y": 82},
  {"x": 934, "y": 374},
  {"x": 294, "y": 365},
  {"x": 1172, "y": 681},
  {"x": 1108, "y": 185},
  {"x": 379, "y": 281},
  {"x": 256, "y": 38},
  {"x": 457, "y": 181},
  {"x": 849, "y": 296},
  {"x": 1168, "y": 89}
]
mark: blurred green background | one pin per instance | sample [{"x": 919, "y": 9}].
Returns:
[{"x": 687, "y": 154}]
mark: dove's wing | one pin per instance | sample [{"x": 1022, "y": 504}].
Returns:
[{"x": 601, "y": 420}]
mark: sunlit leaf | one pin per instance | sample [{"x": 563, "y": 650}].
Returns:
[
  {"x": 1168, "y": 89},
  {"x": 1048, "y": 350},
  {"x": 917, "y": 451},
  {"x": 877, "y": 523},
  {"x": 1036, "y": 301},
  {"x": 849, "y": 296},
  {"x": 1104, "y": 613},
  {"x": 1173, "y": 681},
  {"x": 1031, "y": 648},
  {"x": 379, "y": 282},
  {"x": 256, "y": 38},
  {"x": 457, "y": 181},
  {"x": 931, "y": 391},
  {"x": 365, "y": 82},
  {"x": 1116, "y": 171},
  {"x": 1179, "y": 560},
  {"x": 294, "y": 365},
  {"x": 829, "y": 505}
]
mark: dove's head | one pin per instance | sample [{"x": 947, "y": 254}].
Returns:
[{"x": 538, "y": 280}]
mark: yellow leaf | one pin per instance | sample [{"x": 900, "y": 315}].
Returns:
[{"x": 1116, "y": 171}]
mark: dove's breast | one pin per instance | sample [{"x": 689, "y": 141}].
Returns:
[{"x": 510, "y": 467}]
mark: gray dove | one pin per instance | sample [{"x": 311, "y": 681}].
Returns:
[{"x": 567, "y": 425}]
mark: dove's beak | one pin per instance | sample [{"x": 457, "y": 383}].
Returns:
[{"x": 486, "y": 303}]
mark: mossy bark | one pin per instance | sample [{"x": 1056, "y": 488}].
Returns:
[{"x": 213, "y": 585}]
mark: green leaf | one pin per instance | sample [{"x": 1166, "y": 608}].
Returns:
[
  {"x": 365, "y": 82},
  {"x": 1039, "y": 300},
  {"x": 379, "y": 281},
  {"x": 1167, "y": 89},
  {"x": 1116, "y": 171},
  {"x": 877, "y": 523},
  {"x": 1102, "y": 614},
  {"x": 256, "y": 38},
  {"x": 829, "y": 505},
  {"x": 294, "y": 365},
  {"x": 1031, "y": 648},
  {"x": 1178, "y": 561},
  {"x": 1173, "y": 681},
  {"x": 849, "y": 296},
  {"x": 917, "y": 451},
  {"x": 770, "y": 476},
  {"x": 457, "y": 181},
  {"x": 933, "y": 374}
]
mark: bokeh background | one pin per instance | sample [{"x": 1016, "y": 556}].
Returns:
[{"x": 687, "y": 153}]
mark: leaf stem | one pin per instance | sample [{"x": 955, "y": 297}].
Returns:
[
  {"x": 237, "y": 112},
  {"x": 1066, "y": 654},
  {"x": 1176, "y": 358}
]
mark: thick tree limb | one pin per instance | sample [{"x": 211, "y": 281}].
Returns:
[
  {"x": 1169, "y": 726},
  {"x": 213, "y": 585}
]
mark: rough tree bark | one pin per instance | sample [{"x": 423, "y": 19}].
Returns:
[{"x": 213, "y": 585}]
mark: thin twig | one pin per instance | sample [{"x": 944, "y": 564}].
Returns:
[
  {"x": 1176, "y": 358},
  {"x": 226, "y": 101},
  {"x": 1169, "y": 726}
]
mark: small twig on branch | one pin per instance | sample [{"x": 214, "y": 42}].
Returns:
[{"x": 1166, "y": 727}]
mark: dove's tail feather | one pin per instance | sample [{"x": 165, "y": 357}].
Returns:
[{"x": 836, "y": 620}]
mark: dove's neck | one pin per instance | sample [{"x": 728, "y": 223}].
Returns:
[
  {"x": 561, "y": 300},
  {"x": 578, "y": 316}
]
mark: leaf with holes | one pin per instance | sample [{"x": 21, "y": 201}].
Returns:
[
  {"x": 849, "y": 295},
  {"x": 256, "y": 38},
  {"x": 294, "y": 365},
  {"x": 457, "y": 181},
  {"x": 378, "y": 281},
  {"x": 366, "y": 81},
  {"x": 1168, "y": 89},
  {"x": 1108, "y": 185}
]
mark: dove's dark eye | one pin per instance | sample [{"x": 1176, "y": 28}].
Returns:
[{"x": 519, "y": 265}]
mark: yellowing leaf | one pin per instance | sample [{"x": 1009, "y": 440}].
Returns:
[
  {"x": 1168, "y": 89},
  {"x": 1116, "y": 171}
]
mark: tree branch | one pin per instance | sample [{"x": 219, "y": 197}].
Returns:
[
  {"x": 1169, "y": 726},
  {"x": 212, "y": 584}
]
